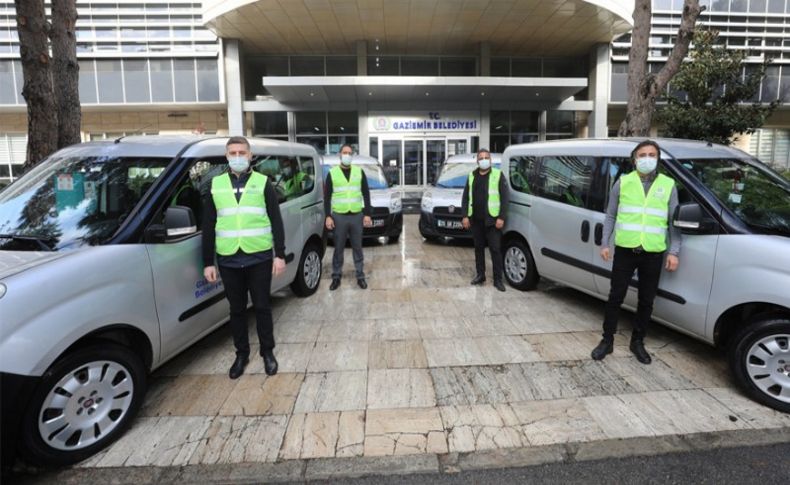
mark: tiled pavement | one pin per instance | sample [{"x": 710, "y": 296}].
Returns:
[{"x": 423, "y": 363}]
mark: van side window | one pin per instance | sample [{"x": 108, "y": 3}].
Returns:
[
  {"x": 522, "y": 170},
  {"x": 307, "y": 167},
  {"x": 568, "y": 179},
  {"x": 285, "y": 174}
]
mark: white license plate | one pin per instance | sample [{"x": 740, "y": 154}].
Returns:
[
  {"x": 378, "y": 222},
  {"x": 448, "y": 224}
]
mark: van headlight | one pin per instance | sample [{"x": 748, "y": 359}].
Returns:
[
  {"x": 427, "y": 202},
  {"x": 395, "y": 203},
  {"x": 2, "y": 290}
]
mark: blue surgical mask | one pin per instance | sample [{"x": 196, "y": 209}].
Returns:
[
  {"x": 239, "y": 163},
  {"x": 645, "y": 165},
  {"x": 345, "y": 160},
  {"x": 484, "y": 163}
]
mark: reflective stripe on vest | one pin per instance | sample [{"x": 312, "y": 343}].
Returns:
[
  {"x": 242, "y": 224},
  {"x": 642, "y": 220},
  {"x": 493, "y": 192},
  {"x": 346, "y": 193}
]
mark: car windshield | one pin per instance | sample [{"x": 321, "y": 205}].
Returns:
[
  {"x": 456, "y": 175},
  {"x": 373, "y": 172},
  {"x": 73, "y": 201},
  {"x": 757, "y": 195}
]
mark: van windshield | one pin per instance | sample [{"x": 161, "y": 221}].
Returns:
[
  {"x": 73, "y": 201},
  {"x": 757, "y": 195},
  {"x": 456, "y": 175}
]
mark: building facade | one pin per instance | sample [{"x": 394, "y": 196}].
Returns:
[{"x": 407, "y": 82}]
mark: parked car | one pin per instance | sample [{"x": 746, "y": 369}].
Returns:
[
  {"x": 440, "y": 214},
  {"x": 101, "y": 279},
  {"x": 385, "y": 198},
  {"x": 731, "y": 288}
]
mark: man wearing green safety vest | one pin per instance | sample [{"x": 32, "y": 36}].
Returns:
[
  {"x": 571, "y": 197},
  {"x": 243, "y": 226},
  {"x": 292, "y": 180},
  {"x": 484, "y": 205},
  {"x": 639, "y": 214},
  {"x": 347, "y": 205}
]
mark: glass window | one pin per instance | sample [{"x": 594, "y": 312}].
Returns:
[
  {"x": 569, "y": 67},
  {"x": 135, "y": 78},
  {"x": 288, "y": 179},
  {"x": 7, "y": 95},
  {"x": 374, "y": 147},
  {"x": 161, "y": 80},
  {"x": 500, "y": 122},
  {"x": 341, "y": 66},
  {"x": 307, "y": 66},
  {"x": 500, "y": 66},
  {"x": 784, "y": 92},
  {"x": 526, "y": 67},
  {"x": 499, "y": 143},
  {"x": 619, "y": 82},
  {"x": 270, "y": 123},
  {"x": 158, "y": 32},
  {"x": 272, "y": 66},
  {"x": 318, "y": 142},
  {"x": 737, "y": 6},
  {"x": 184, "y": 78},
  {"x": 307, "y": 168},
  {"x": 20, "y": 82},
  {"x": 757, "y": 6},
  {"x": 110, "y": 81},
  {"x": 560, "y": 122},
  {"x": 419, "y": 66},
  {"x": 106, "y": 33},
  {"x": 182, "y": 32},
  {"x": 770, "y": 88},
  {"x": 565, "y": 179},
  {"x": 311, "y": 122},
  {"x": 776, "y": 6},
  {"x": 524, "y": 121},
  {"x": 335, "y": 142},
  {"x": 343, "y": 122},
  {"x": 522, "y": 170},
  {"x": 383, "y": 66},
  {"x": 208, "y": 80},
  {"x": 458, "y": 66}
]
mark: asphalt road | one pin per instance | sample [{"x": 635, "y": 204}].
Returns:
[{"x": 745, "y": 465}]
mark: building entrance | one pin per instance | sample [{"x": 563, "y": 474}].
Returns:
[{"x": 415, "y": 161}]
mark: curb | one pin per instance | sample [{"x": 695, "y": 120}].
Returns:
[{"x": 336, "y": 468}]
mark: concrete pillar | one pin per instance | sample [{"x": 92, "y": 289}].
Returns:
[
  {"x": 233, "y": 87},
  {"x": 600, "y": 71},
  {"x": 364, "y": 128},
  {"x": 485, "y": 125},
  {"x": 362, "y": 58},
  {"x": 485, "y": 59},
  {"x": 542, "y": 126}
]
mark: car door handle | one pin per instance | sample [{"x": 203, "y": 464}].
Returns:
[
  {"x": 585, "y": 232},
  {"x": 598, "y": 234}
]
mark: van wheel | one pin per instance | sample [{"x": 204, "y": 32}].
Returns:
[
  {"x": 84, "y": 402},
  {"x": 308, "y": 275},
  {"x": 393, "y": 239},
  {"x": 760, "y": 360},
  {"x": 520, "y": 269}
]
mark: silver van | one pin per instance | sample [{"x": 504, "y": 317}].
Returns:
[
  {"x": 732, "y": 288},
  {"x": 440, "y": 208},
  {"x": 385, "y": 198},
  {"x": 101, "y": 279}
]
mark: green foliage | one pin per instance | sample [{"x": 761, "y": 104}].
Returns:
[{"x": 716, "y": 90}]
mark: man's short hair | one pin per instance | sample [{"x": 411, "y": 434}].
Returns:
[
  {"x": 483, "y": 150},
  {"x": 237, "y": 140},
  {"x": 646, "y": 143},
  {"x": 344, "y": 145}
]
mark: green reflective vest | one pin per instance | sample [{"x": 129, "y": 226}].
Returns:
[
  {"x": 244, "y": 224},
  {"x": 293, "y": 186},
  {"x": 642, "y": 220},
  {"x": 346, "y": 193},
  {"x": 493, "y": 192}
]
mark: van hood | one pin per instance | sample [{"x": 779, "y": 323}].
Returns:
[
  {"x": 381, "y": 197},
  {"x": 445, "y": 197},
  {"x": 13, "y": 262}
]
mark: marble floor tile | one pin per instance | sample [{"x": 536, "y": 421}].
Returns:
[
  {"x": 616, "y": 418},
  {"x": 241, "y": 439},
  {"x": 453, "y": 352},
  {"x": 296, "y": 331},
  {"x": 394, "y": 329},
  {"x": 641, "y": 378},
  {"x": 339, "y": 356},
  {"x": 442, "y": 327},
  {"x": 556, "y": 421},
  {"x": 345, "y": 330},
  {"x": 704, "y": 370},
  {"x": 397, "y": 354},
  {"x": 492, "y": 325},
  {"x": 571, "y": 346},
  {"x": 400, "y": 388},
  {"x": 291, "y": 358},
  {"x": 481, "y": 427},
  {"x": 260, "y": 395},
  {"x": 199, "y": 395},
  {"x": 311, "y": 435},
  {"x": 332, "y": 391},
  {"x": 404, "y": 431},
  {"x": 506, "y": 349},
  {"x": 751, "y": 412}
]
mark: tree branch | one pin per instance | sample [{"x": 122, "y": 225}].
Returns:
[{"x": 691, "y": 12}]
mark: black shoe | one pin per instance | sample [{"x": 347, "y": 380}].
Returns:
[
  {"x": 335, "y": 284},
  {"x": 362, "y": 283},
  {"x": 638, "y": 349},
  {"x": 499, "y": 285},
  {"x": 269, "y": 363},
  {"x": 479, "y": 280},
  {"x": 237, "y": 369},
  {"x": 603, "y": 349}
]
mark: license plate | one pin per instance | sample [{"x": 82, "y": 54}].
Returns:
[
  {"x": 448, "y": 224},
  {"x": 378, "y": 222}
]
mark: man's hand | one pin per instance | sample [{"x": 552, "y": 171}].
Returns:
[
  {"x": 210, "y": 273},
  {"x": 605, "y": 253},
  {"x": 465, "y": 222},
  {"x": 672, "y": 263},
  {"x": 278, "y": 267},
  {"x": 330, "y": 223},
  {"x": 367, "y": 221},
  {"x": 500, "y": 223}
]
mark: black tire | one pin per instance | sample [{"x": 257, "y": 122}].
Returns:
[
  {"x": 304, "y": 285},
  {"x": 393, "y": 239},
  {"x": 776, "y": 331},
  {"x": 116, "y": 362},
  {"x": 521, "y": 258}
]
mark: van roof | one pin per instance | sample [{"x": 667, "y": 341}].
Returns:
[
  {"x": 334, "y": 159},
  {"x": 471, "y": 158},
  {"x": 678, "y": 148}
]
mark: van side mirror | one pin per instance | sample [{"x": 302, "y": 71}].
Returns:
[
  {"x": 692, "y": 218},
  {"x": 180, "y": 221}
]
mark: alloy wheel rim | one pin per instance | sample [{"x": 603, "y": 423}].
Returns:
[
  {"x": 768, "y": 366},
  {"x": 312, "y": 269},
  {"x": 86, "y": 405},
  {"x": 515, "y": 265}
]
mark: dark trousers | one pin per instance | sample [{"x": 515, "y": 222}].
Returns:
[
  {"x": 648, "y": 266},
  {"x": 492, "y": 236},
  {"x": 257, "y": 281},
  {"x": 348, "y": 226}
]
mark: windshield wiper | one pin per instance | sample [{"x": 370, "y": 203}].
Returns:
[{"x": 41, "y": 241}]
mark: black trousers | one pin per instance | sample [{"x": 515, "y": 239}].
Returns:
[
  {"x": 648, "y": 266},
  {"x": 257, "y": 281},
  {"x": 492, "y": 236}
]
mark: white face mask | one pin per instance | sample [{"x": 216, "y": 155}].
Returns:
[
  {"x": 645, "y": 165},
  {"x": 238, "y": 164},
  {"x": 345, "y": 160},
  {"x": 484, "y": 163},
  {"x": 287, "y": 172}
]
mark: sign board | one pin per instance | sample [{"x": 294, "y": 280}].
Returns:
[{"x": 424, "y": 122}]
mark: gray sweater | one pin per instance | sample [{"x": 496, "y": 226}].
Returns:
[{"x": 674, "y": 238}]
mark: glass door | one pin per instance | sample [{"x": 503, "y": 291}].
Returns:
[
  {"x": 413, "y": 162},
  {"x": 391, "y": 160},
  {"x": 435, "y": 153},
  {"x": 456, "y": 146}
]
